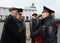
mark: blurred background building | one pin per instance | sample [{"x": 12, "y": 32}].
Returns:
[
  {"x": 27, "y": 12},
  {"x": 4, "y": 12}
]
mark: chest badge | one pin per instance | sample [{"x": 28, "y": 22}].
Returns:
[{"x": 50, "y": 29}]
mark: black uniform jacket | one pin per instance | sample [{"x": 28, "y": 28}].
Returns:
[{"x": 48, "y": 31}]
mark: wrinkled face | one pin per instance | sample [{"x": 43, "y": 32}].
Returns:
[
  {"x": 14, "y": 13},
  {"x": 45, "y": 14}
]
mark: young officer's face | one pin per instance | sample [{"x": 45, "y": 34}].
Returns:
[
  {"x": 45, "y": 14},
  {"x": 14, "y": 12},
  {"x": 19, "y": 16}
]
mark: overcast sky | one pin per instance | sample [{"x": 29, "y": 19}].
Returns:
[{"x": 52, "y": 4}]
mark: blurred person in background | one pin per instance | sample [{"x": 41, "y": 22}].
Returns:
[
  {"x": 33, "y": 25},
  {"x": 38, "y": 39}
]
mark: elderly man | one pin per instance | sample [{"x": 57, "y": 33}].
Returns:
[{"x": 11, "y": 32}]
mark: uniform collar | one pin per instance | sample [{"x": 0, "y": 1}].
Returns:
[{"x": 47, "y": 18}]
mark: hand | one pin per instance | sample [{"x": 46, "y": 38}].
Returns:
[{"x": 28, "y": 37}]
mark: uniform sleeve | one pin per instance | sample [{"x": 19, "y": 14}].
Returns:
[
  {"x": 40, "y": 31},
  {"x": 12, "y": 26},
  {"x": 24, "y": 26},
  {"x": 30, "y": 24},
  {"x": 52, "y": 33}
]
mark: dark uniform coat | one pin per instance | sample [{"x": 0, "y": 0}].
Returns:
[
  {"x": 10, "y": 33},
  {"x": 40, "y": 22},
  {"x": 48, "y": 31},
  {"x": 21, "y": 24},
  {"x": 38, "y": 39},
  {"x": 33, "y": 27}
]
